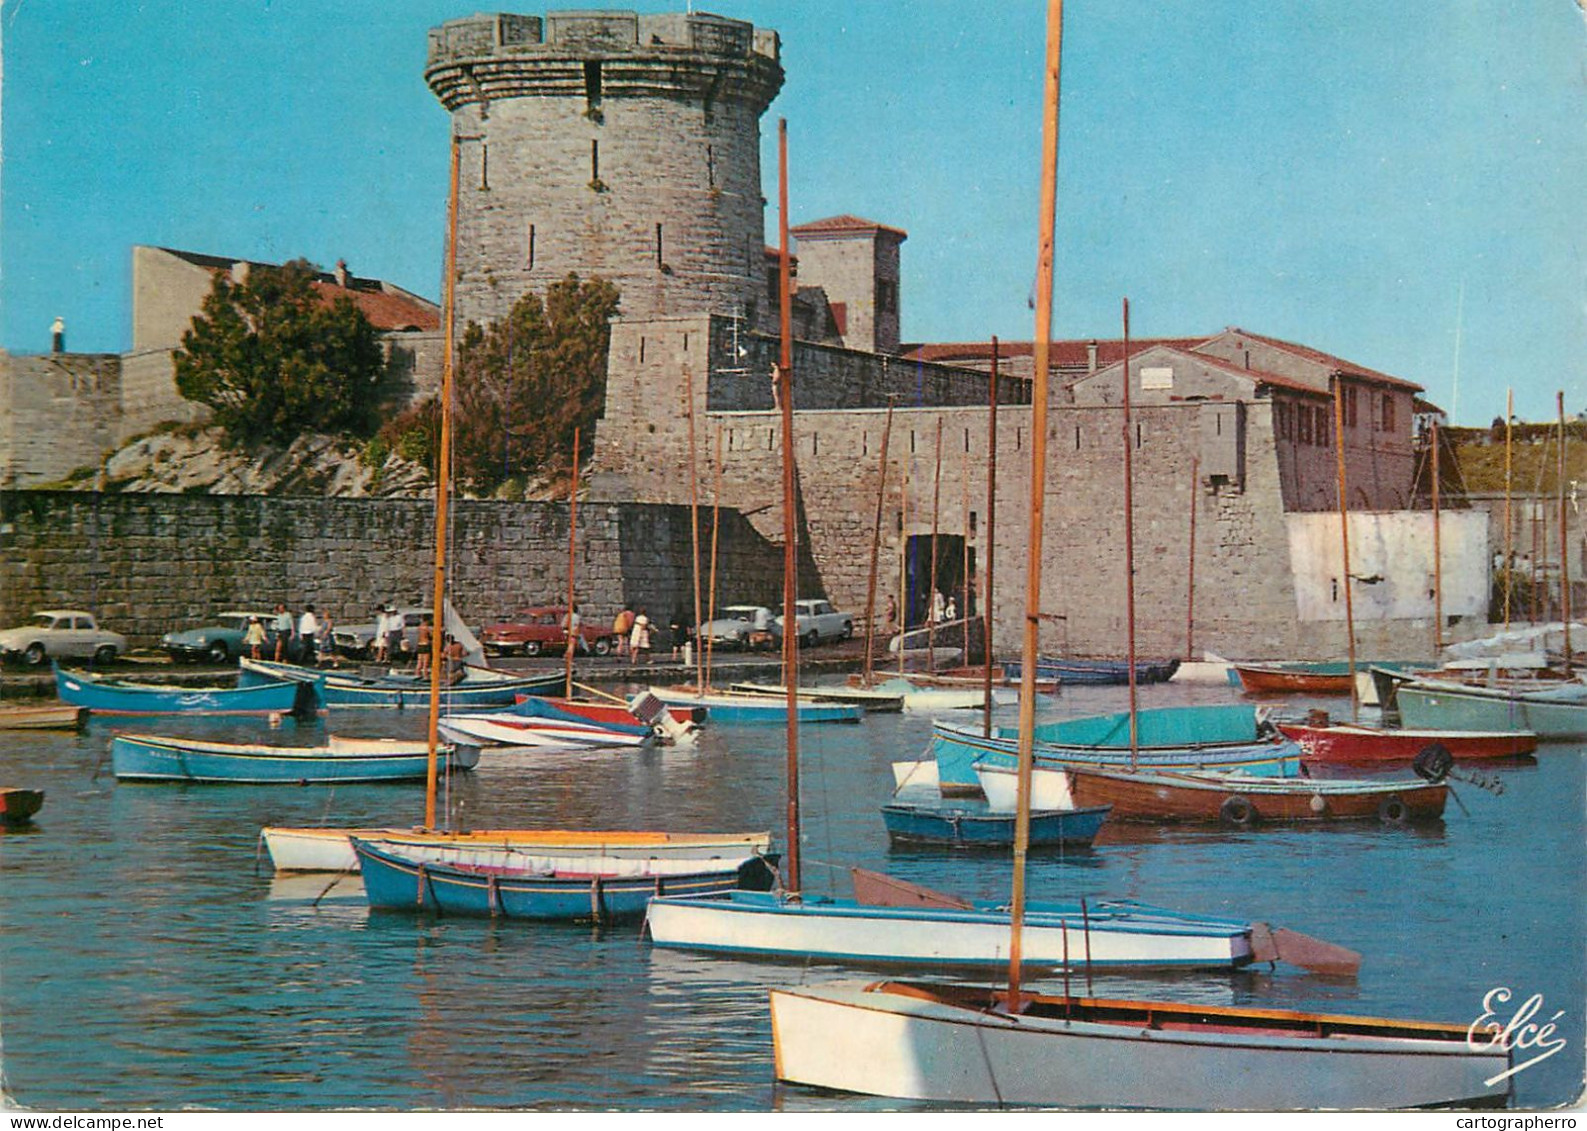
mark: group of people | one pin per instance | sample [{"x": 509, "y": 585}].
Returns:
[
  {"x": 300, "y": 639},
  {"x": 633, "y": 632}
]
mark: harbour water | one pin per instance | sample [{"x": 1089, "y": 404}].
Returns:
[{"x": 148, "y": 959}]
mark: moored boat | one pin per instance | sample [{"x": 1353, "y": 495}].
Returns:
[
  {"x": 1357, "y": 743},
  {"x": 42, "y": 716},
  {"x": 105, "y": 696},
  {"x": 508, "y": 729},
  {"x": 1303, "y": 677},
  {"x": 477, "y": 687},
  {"x": 141, "y": 757},
  {"x": 962, "y": 1044},
  {"x": 968, "y": 826},
  {"x": 1243, "y": 799},
  {"x": 866, "y": 698},
  {"x": 736, "y": 707},
  {"x": 331, "y": 849},
  {"x": 17, "y": 806},
  {"x": 1558, "y": 713},
  {"x": 1082, "y": 670},
  {"x": 453, "y": 880}
]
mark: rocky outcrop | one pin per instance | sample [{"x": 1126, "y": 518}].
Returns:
[{"x": 199, "y": 461}]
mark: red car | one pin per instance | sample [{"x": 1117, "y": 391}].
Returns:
[{"x": 532, "y": 631}]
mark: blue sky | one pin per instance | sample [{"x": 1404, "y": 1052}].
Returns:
[{"x": 1366, "y": 178}]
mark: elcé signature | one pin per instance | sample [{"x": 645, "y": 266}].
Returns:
[{"x": 1521, "y": 1033}]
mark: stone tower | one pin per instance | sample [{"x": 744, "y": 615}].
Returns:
[
  {"x": 608, "y": 143},
  {"x": 856, "y": 262}
]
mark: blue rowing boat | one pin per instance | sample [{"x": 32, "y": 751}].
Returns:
[
  {"x": 105, "y": 696},
  {"x": 969, "y": 826},
  {"x": 1078, "y": 670},
  {"x": 737, "y": 707},
  {"x": 454, "y": 881},
  {"x": 144, "y": 757},
  {"x": 477, "y": 687}
]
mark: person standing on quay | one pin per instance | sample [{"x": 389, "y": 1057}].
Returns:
[
  {"x": 426, "y": 634},
  {"x": 639, "y": 638},
  {"x": 308, "y": 635},
  {"x": 255, "y": 638},
  {"x": 382, "y": 626},
  {"x": 283, "y": 631},
  {"x": 622, "y": 625}
]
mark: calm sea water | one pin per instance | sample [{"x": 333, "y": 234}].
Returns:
[{"x": 149, "y": 961}]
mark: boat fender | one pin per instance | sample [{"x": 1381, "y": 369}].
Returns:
[
  {"x": 1433, "y": 763},
  {"x": 1392, "y": 810},
  {"x": 1318, "y": 804},
  {"x": 1237, "y": 810}
]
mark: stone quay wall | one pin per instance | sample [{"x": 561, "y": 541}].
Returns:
[{"x": 149, "y": 564}]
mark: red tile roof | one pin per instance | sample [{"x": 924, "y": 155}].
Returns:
[
  {"x": 387, "y": 306},
  {"x": 1327, "y": 359},
  {"x": 844, "y": 225}
]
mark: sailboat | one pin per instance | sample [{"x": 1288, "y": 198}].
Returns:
[
  {"x": 1005, "y": 1046},
  {"x": 328, "y": 849},
  {"x": 945, "y": 933}
]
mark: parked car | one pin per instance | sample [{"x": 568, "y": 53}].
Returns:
[
  {"x": 357, "y": 641},
  {"x": 60, "y": 634},
  {"x": 817, "y": 621},
  {"x": 734, "y": 627},
  {"x": 219, "y": 643},
  {"x": 530, "y": 632}
]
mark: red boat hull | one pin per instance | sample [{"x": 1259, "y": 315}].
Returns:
[
  {"x": 1348, "y": 743},
  {"x": 1270, "y": 681},
  {"x": 1160, "y": 797}
]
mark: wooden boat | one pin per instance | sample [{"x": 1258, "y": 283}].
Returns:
[
  {"x": 154, "y": 758},
  {"x": 42, "y": 716},
  {"x": 960, "y": 826},
  {"x": 1555, "y": 714},
  {"x": 17, "y": 806},
  {"x": 615, "y": 715},
  {"x": 478, "y": 687},
  {"x": 331, "y": 850},
  {"x": 1356, "y": 743},
  {"x": 866, "y": 698},
  {"x": 1078, "y": 670},
  {"x": 1302, "y": 677},
  {"x": 1240, "y": 799},
  {"x": 1049, "y": 787},
  {"x": 922, "y": 694},
  {"x": 957, "y": 749},
  {"x": 105, "y": 696},
  {"x": 962, "y": 1044},
  {"x": 810, "y": 928},
  {"x": 451, "y": 880},
  {"x": 507, "y": 729},
  {"x": 736, "y": 707}
]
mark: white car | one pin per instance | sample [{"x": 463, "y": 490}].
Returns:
[
  {"x": 59, "y": 634},
  {"x": 817, "y": 621}
]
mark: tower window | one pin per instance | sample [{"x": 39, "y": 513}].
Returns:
[
  {"x": 529, "y": 263},
  {"x": 659, "y": 263},
  {"x": 595, "y": 160},
  {"x": 484, "y": 166},
  {"x": 710, "y": 166},
  {"x": 592, "y": 82},
  {"x": 886, "y": 296}
]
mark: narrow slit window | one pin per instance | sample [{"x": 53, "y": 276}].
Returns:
[
  {"x": 966, "y": 439},
  {"x": 595, "y": 160},
  {"x": 592, "y": 82},
  {"x": 814, "y": 443},
  {"x": 1077, "y": 437},
  {"x": 641, "y": 349},
  {"x": 484, "y": 166},
  {"x": 710, "y": 166},
  {"x": 530, "y": 262},
  {"x": 659, "y": 263}
]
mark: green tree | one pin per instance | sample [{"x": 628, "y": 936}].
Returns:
[
  {"x": 273, "y": 359},
  {"x": 526, "y": 382}
]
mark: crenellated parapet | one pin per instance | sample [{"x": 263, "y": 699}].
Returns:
[{"x": 487, "y": 58}]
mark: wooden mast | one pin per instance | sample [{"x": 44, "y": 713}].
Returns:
[
  {"x": 931, "y": 599},
  {"x": 790, "y": 632},
  {"x": 716, "y": 525},
  {"x": 1344, "y": 540},
  {"x": 443, "y": 459},
  {"x": 573, "y": 531},
  {"x": 1038, "y": 486},
  {"x": 903, "y": 559},
  {"x": 991, "y": 518},
  {"x": 1129, "y": 549},
  {"x": 1564, "y": 542},
  {"x": 1190, "y": 595},
  {"x": 1438, "y": 555},
  {"x": 1509, "y": 417},
  {"x": 694, "y": 527},
  {"x": 876, "y": 550}
]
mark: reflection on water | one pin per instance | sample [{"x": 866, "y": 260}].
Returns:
[{"x": 146, "y": 962}]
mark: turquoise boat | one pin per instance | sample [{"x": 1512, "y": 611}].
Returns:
[
  {"x": 1554, "y": 713},
  {"x": 732, "y": 707},
  {"x": 957, "y": 749},
  {"x": 102, "y": 696},
  {"x": 142, "y": 757},
  {"x": 478, "y": 687}
]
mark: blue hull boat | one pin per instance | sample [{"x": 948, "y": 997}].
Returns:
[
  {"x": 957, "y": 749},
  {"x": 477, "y": 688},
  {"x": 731, "y": 707},
  {"x": 103, "y": 696},
  {"x": 959, "y": 826},
  {"x": 399, "y": 883},
  {"x": 1077, "y": 671},
  {"x": 156, "y": 758}
]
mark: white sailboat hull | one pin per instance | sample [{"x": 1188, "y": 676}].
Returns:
[
  {"x": 762, "y": 925},
  {"x": 850, "y": 1038},
  {"x": 1049, "y": 789}
]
